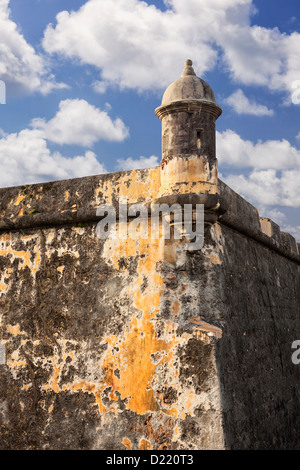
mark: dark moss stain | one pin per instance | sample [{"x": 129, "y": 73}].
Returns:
[{"x": 196, "y": 364}]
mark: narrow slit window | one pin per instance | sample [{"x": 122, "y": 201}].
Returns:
[{"x": 199, "y": 136}]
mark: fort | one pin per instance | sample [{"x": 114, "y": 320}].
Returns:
[{"x": 140, "y": 343}]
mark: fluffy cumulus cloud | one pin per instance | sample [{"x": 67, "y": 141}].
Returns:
[
  {"x": 78, "y": 122},
  {"x": 273, "y": 169},
  {"x": 242, "y": 105},
  {"x": 139, "y": 163},
  {"x": 36, "y": 163},
  {"x": 271, "y": 154},
  {"x": 268, "y": 187},
  {"x": 25, "y": 156},
  {"x": 136, "y": 45},
  {"x": 20, "y": 65}
]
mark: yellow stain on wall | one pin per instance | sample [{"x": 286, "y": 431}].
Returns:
[
  {"x": 136, "y": 369},
  {"x": 57, "y": 366},
  {"x": 126, "y": 369},
  {"x": 19, "y": 199},
  {"x": 132, "y": 186},
  {"x": 79, "y": 230},
  {"x": 14, "y": 329},
  {"x": 126, "y": 442},
  {"x": 145, "y": 445},
  {"x": 26, "y": 257},
  {"x": 133, "y": 359},
  {"x": 14, "y": 362},
  {"x": 215, "y": 258}
]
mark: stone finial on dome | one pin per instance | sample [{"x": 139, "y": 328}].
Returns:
[
  {"x": 188, "y": 88},
  {"x": 188, "y": 70}
]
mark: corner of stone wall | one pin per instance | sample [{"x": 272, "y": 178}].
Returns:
[{"x": 245, "y": 218}]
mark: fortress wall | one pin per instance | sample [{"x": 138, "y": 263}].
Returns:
[
  {"x": 261, "y": 319},
  {"x": 142, "y": 344},
  {"x": 99, "y": 351},
  {"x": 260, "y": 281}
]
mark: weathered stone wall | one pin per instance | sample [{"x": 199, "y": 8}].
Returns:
[
  {"x": 189, "y": 133},
  {"x": 100, "y": 352},
  {"x": 259, "y": 278},
  {"x": 140, "y": 344},
  {"x": 261, "y": 319}
]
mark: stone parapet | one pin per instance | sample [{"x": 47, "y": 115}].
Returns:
[
  {"x": 244, "y": 218},
  {"x": 75, "y": 201}
]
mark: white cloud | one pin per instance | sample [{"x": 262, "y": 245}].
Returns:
[
  {"x": 272, "y": 177},
  {"x": 242, "y": 105},
  {"x": 78, "y": 122},
  {"x": 271, "y": 154},
  {"x": 136, "y": 45},
  {"x": 274, "y": 169},
  {"x": 25, "y": 159},
  {"x": 136, "y": 164},
  {"x": 268, "y": 187},
  {"x": 100, "y": 86},
  {"x": 20, "y": 65}
]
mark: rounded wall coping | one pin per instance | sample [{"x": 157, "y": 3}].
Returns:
[{"x": 189, "y": 106}]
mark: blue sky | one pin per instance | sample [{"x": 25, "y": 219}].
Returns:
[{"x": 83, "y": 78}]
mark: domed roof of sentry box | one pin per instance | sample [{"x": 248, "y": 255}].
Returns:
[{"x": 188, "y": 87}]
